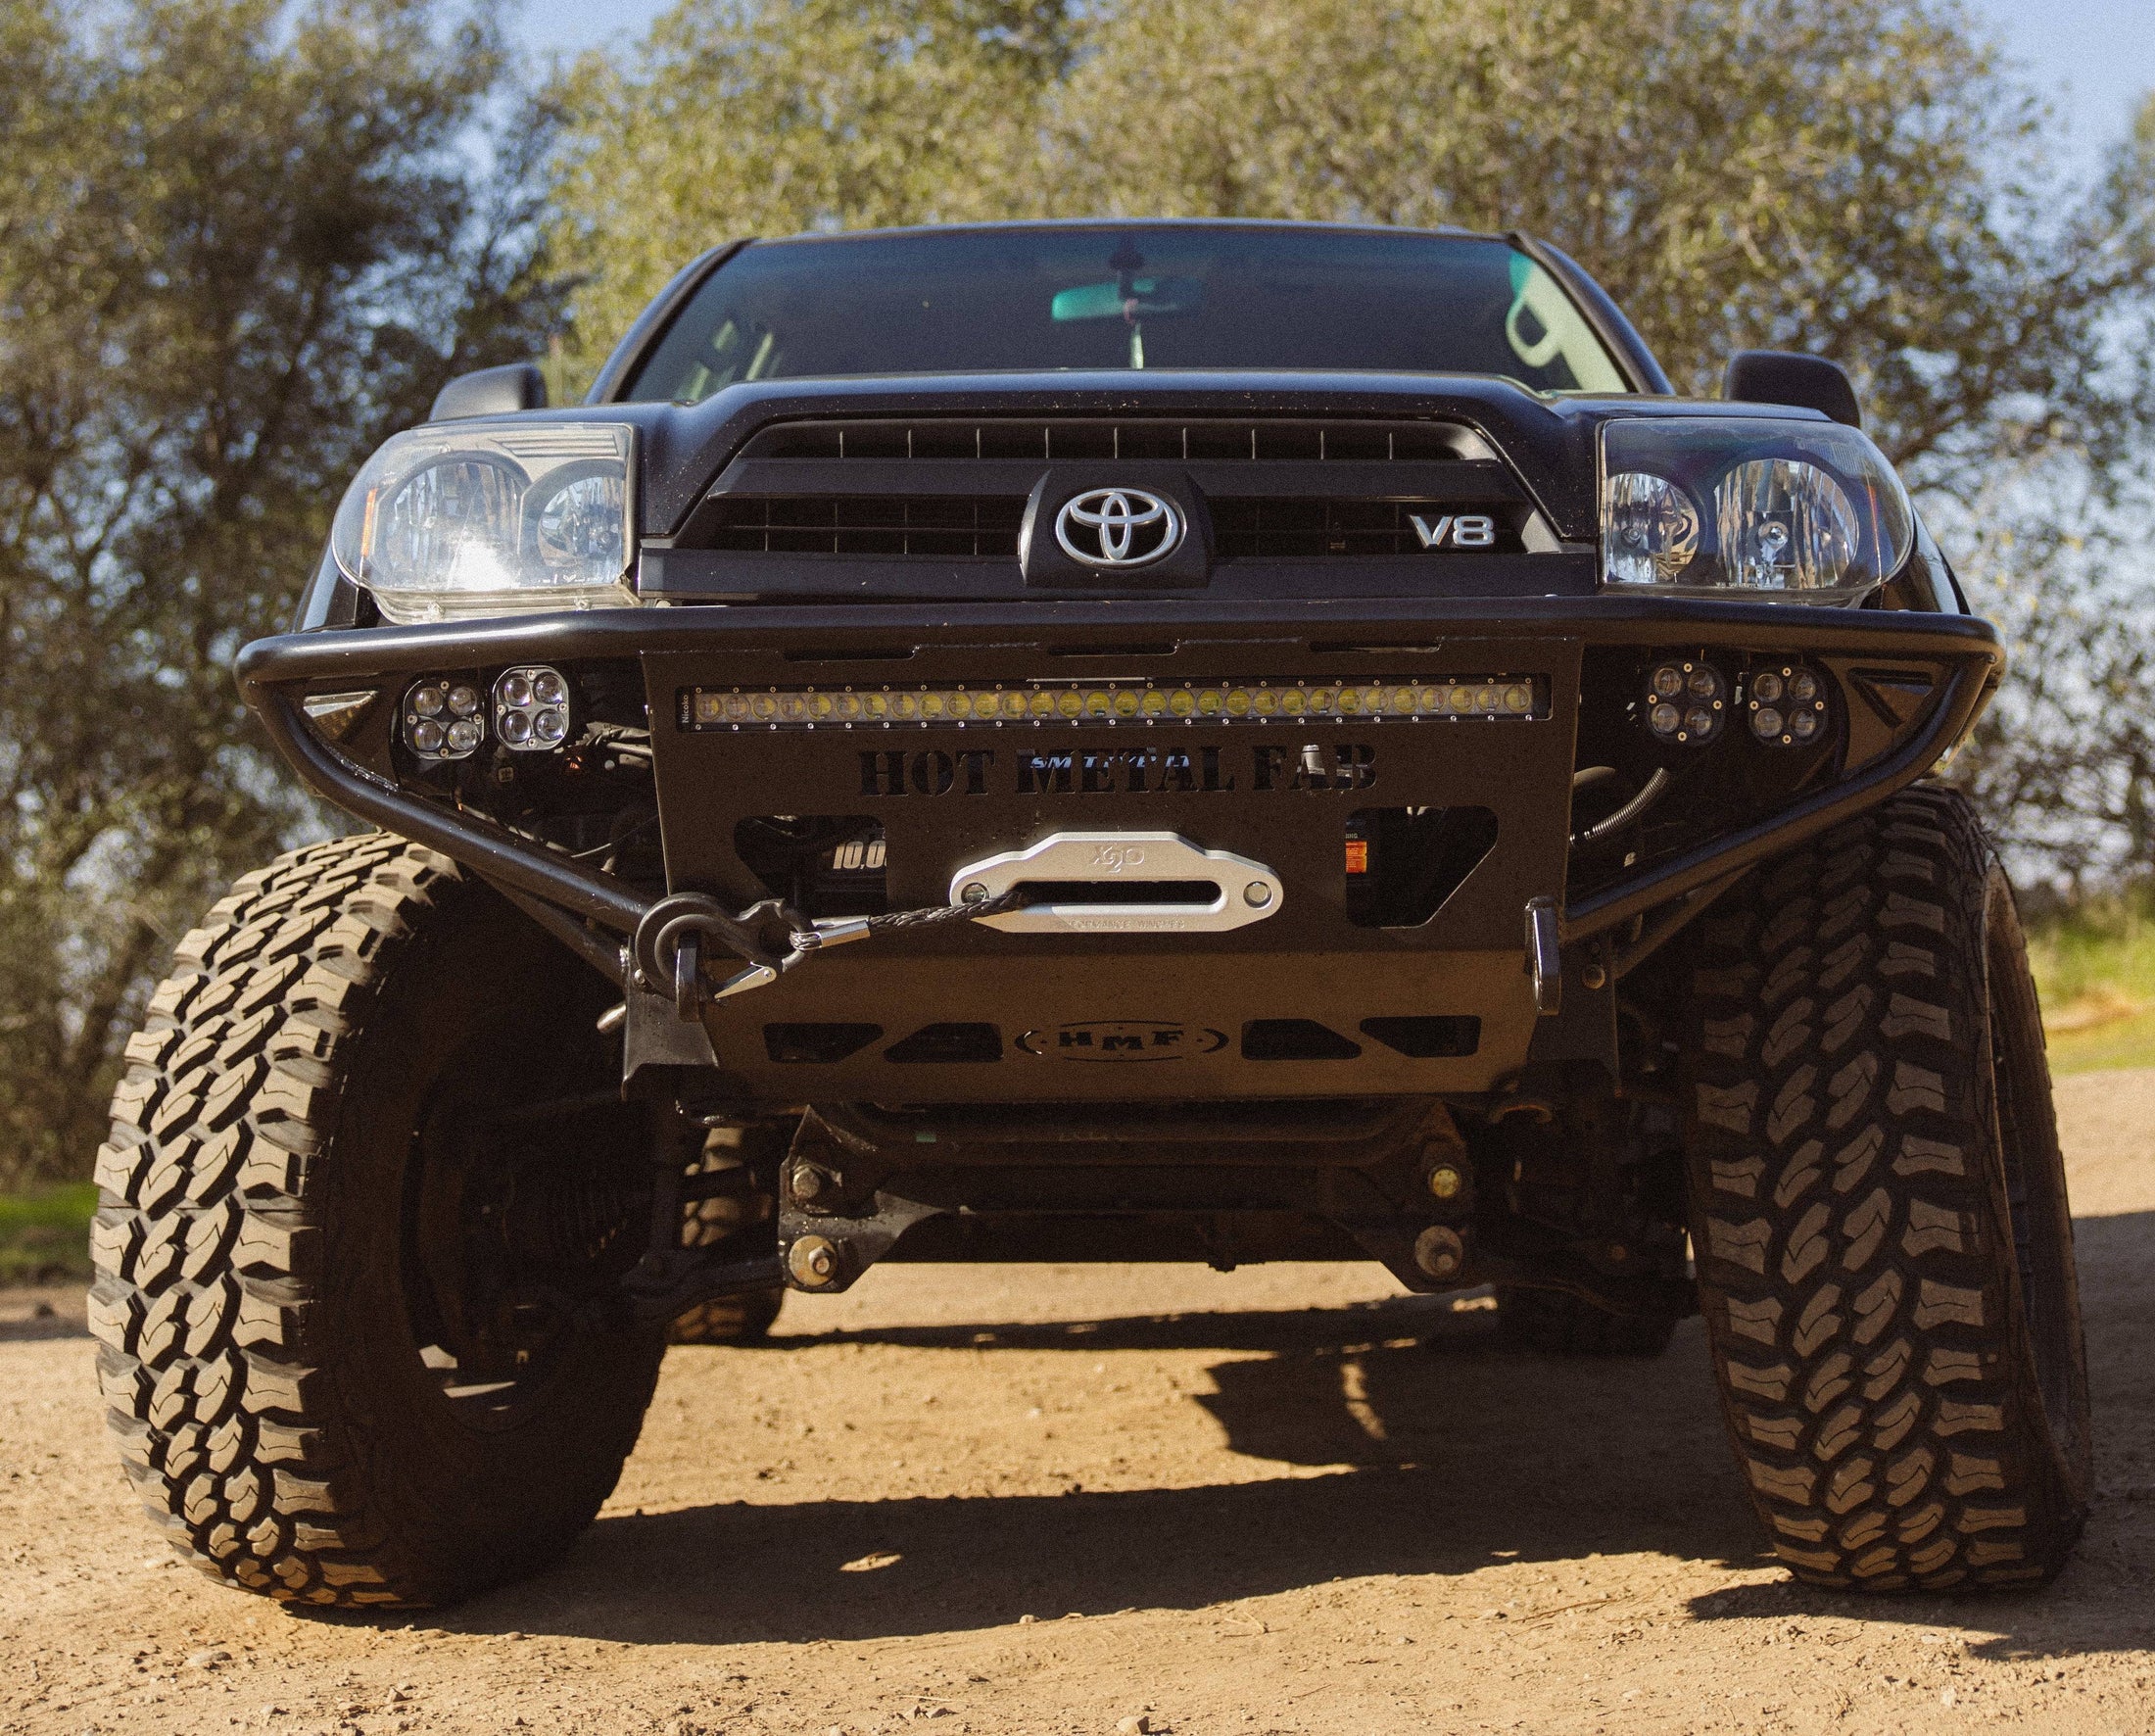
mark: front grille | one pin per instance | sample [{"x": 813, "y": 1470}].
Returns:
[
  {"x": 1184, "y": 440},
  {"x": 955, "y": 488},
  {"x": 933, "y": 525}
]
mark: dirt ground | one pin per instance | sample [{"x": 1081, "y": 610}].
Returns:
[{"x": 1044, "y": 1500}]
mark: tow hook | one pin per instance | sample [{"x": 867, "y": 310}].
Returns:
[{"x": 671, "y": 939}]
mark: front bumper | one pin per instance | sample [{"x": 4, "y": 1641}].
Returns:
[{"x": 1308, "y": 962}]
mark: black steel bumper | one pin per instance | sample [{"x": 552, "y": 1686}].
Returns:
[{"x": 1522, "y": 772}]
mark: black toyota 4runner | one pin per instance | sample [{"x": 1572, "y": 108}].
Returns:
[{"x": 1132, "y": 741}]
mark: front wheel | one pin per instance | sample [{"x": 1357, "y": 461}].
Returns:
[
  {"x": 368, "y": 1199},
  {"x": 1879, "y": 1211}
]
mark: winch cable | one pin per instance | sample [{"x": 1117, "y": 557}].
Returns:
[
  {"x": 668, "y": 948},
  {"x": 929, "y": 915}
]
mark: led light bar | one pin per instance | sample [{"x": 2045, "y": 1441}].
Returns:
[{"x": 1483, "y": 697}]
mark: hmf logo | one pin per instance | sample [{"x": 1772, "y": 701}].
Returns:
[
  {"x": 1123, "y": 1039},
  {"x": 1118, "y": 771}
]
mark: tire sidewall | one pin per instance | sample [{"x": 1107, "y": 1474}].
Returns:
[
  {"x": 2052, "y": 1375},
  {"x": 470, "y": 1505}
]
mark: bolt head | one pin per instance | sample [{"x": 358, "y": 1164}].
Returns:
[
  {"x": 808, "y": 1180},
  {"x": 973, "y": 893},
  {"x": 1439, "y": 1251},
  {"x": 1594, "y": 977},
  {"x": 1257, "y": 895},
  {"x": 813, "y": 1262},
  {"x": 1446, "y": 1182}
]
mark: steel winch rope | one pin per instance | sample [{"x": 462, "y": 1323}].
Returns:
[{"x": 931, "y": 914}]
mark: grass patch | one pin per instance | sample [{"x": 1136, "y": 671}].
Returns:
[
  {"x": 2095, "y": 969},
  {"x": 45, "y": 1234}
]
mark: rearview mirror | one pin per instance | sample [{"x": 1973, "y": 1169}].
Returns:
[
  {"x": 1782, "y": 377},
  {"x": 1129, "y": 298},
  {"x": 489, "y": 391}
]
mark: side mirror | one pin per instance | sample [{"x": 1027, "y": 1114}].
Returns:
[
  {"x": 1781, "y": 376},
  {"x": 489, "y": 391}
]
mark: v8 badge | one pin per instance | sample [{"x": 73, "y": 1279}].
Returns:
[{"x": 1466, "y": 530}]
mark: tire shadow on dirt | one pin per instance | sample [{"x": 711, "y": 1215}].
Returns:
[
  {"x": 31, "y": 1314},
  {"x": 1439, "y": 1452}
]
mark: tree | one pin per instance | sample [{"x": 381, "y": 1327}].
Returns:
[
  {"x": 767, "y": 117},
  {"x": 238, "y": 246},
  {"x": 2053, "y": 546}
]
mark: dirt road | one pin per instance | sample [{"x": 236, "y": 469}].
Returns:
[{"x": 1022, "y": 1500}]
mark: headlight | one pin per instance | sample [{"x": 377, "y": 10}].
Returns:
[
  {"x": 461, "y": 519},
  {"x": 1706, "y": 506}
]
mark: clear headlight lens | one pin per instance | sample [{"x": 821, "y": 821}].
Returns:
[
  {"x": 1710, "y": 506},
  {"x": 461, "y": 519},
  {"x": 1650, "y": 529}
]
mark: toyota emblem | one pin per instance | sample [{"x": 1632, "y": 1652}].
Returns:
[{"x": 1119, "y": 527}]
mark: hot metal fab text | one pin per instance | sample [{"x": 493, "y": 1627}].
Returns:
[{"x": 1118, "y": 771}]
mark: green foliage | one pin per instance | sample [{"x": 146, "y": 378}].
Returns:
[
  {"x": 766, "y": 116},
  {"x": 2094, "y": 963},
  {"x": 1850, "y": 176},
  {"x": 45, "y": 1234},
  {"x": 2099, "y": 944},
  {"x": 2053, "y": 545},
  {"x": 238, "y": 244}
]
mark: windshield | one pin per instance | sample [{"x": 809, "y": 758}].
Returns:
[{"x": 1127, "y": 296}]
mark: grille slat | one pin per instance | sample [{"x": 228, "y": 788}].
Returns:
[{"x": 1171, "y": 439}]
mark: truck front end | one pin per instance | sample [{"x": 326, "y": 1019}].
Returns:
[{"x": 1135, "y": 742}]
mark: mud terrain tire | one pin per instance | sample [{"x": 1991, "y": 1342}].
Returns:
[
  {"x": 729, "y": 1320},
  {"x": 263, "y": 1255},
  {"x": 743, "y": 1227},
  {"x": 1879, "y": 1211}
]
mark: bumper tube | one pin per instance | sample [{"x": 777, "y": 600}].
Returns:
[
  {"x": 490, "y": 851},
  {"x": 273, "y": 673},
  {"x": 1726, "y": 858}
]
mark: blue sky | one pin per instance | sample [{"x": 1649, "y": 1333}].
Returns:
[{"x": 2094, "y": 58}]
